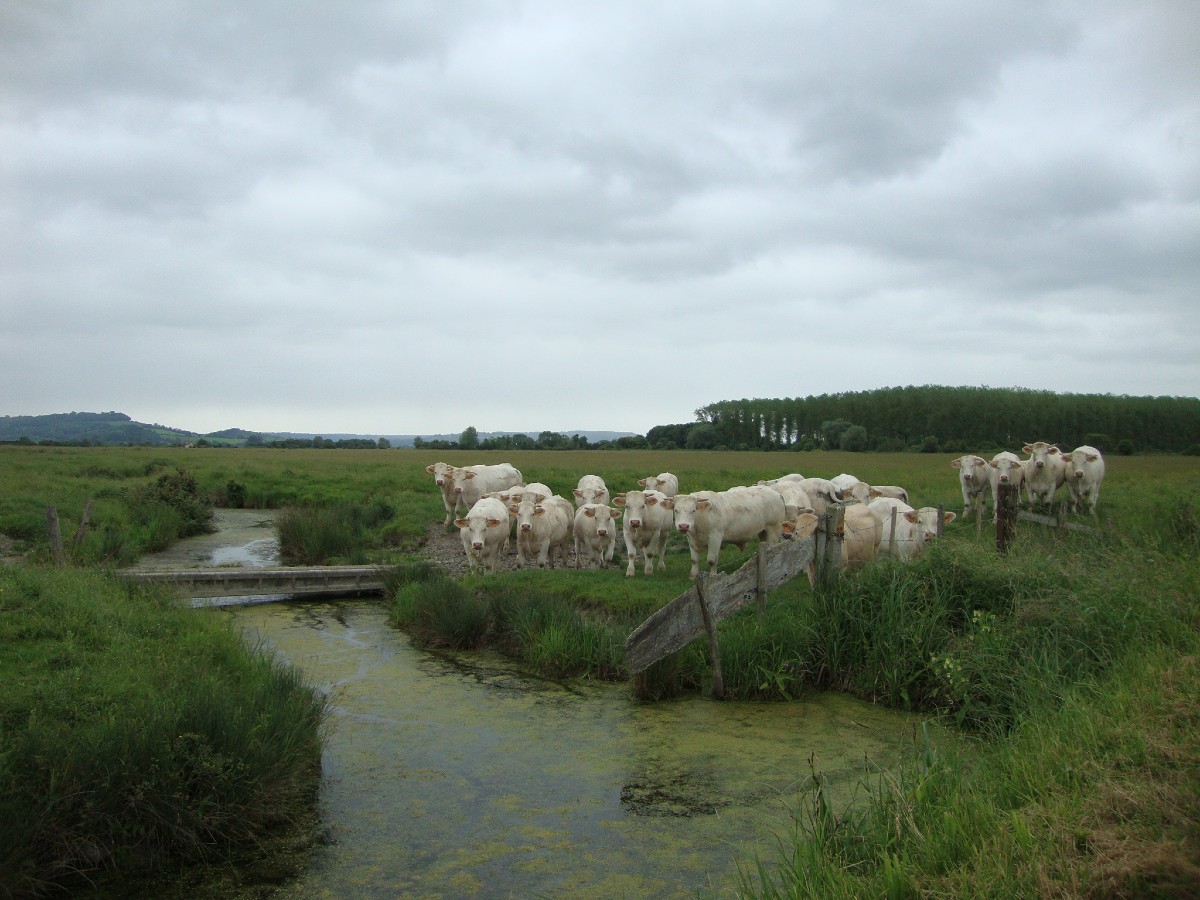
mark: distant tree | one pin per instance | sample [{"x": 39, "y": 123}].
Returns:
[
  {"x": 853, "y": 439},
  {"x": 930, "y": 444},
  {"x": 632, "y": 442},
  {"x": 703, "y": 436},
  {"x": 553, "y": 440},
  {"x": 1125, "y": 447},
  {"x": 469, "y": 439},
  {"x": 832, "y": 431},
  {"x": 418, "y": 442},
  {"x": 384, "y": 444},
  {"x": 254, "y": 440}
]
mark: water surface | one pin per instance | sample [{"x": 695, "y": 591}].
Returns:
[{"x": 450, "y": 776}]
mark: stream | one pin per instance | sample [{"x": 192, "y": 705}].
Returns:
[{"x": 458, "y": 775}]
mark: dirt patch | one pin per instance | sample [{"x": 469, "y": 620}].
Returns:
[
  {"x": 444, "y": 548},
  {"x": 8, "y": 552}
]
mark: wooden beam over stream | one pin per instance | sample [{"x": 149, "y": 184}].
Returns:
[{"x": 682, "y": 620}]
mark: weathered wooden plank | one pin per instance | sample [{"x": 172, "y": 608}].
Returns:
[
  {"x": 233, "y": 582},
  {"x": 680, "y": 622}
]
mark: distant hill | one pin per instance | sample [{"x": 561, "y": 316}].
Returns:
[{"x": 106, "y": 428}]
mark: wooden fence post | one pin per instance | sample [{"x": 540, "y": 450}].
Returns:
[
  {"x": 892, "y": 536},
  {"x": 978, "y": 518},
  {"x": 714, "y": 650},
  {"x": 1006, "y": 515},
  {"x": 941, "y": 522},
  {"x": 56, "y": 547}
]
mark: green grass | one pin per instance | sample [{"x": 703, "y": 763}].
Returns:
[
  {"x": 1070, "y": 663},
  {"x": 136, "y": 735}
]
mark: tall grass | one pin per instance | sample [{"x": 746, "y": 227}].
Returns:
[{"x": 136, "y": 735}]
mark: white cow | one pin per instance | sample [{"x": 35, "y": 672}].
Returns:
[
  {"x": 1084, "y": 472},
  {"x": 646, "y": 529},
  {"x": 441, "y": 473},
  {"x": 974, "y": 477},
  {"x": 915, "y": 528},
  {"x": 1044, "y": 472},
  {"x": 793, "y": 476},
  {"x": 543, "y": 529},
  {"x": 595, "y": 534},
  {"x": 858, "y": 490},
  {"x": 1006, "y": 469},
  {"x": 735, "y": 516},
  {"x": 472, "y": 482},
  {"x": 822, "y": 492},
  {"x": 664, "y": 482},
  {"x": 591, "y": 489},
  {"x": 889, "y": 490},
  {"x": 862, "y": 530},
  {"x": 483, "y": 531},
  {"x": 795, "y": 498},
  {"x": 517, "y": 491},
  {"x": 844, "y": 481}
]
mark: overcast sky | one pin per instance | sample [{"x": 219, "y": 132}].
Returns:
[{"x": 411, "y": 217}]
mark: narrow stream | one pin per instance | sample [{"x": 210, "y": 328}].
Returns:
[{"x": 460, "y": 776}]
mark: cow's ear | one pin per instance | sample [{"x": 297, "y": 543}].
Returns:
[
  {"x": 619, "y": 499},
  {"x": 468, "y": 474},
  {"x": 1053, "y": 451},
  {"x": 956, "y": 463},
  {"x": 641, "y": 482},
  {"x": 1092, "y": 457},
  {"x": 590, "y": 512},
  {"x": 429, "y": 469},
  {"x": 493, "y": 523},
  {"x": 539, "y": 510},
  {"x": 1027, "y": 449},
  {"x": 577, "y": 492},
  {"x": 616, "y": 513},
  {"x": 666, "y": 504},
  {"x": 949, "y": 517},
  {"x": 910, "y": 516},
  {"x": 653, "y": 501},
  {"x": 514, "y": 509},
  {"x": 461, "y": 523},
  {"x": 703, "y": 504}
]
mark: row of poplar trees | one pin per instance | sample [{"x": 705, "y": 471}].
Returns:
[{"x": 936, "y": 418}]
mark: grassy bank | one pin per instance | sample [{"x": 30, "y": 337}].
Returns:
[{"x": 136, "y": 735}]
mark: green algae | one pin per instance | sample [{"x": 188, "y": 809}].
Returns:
[{"x": 459, "y": 775}]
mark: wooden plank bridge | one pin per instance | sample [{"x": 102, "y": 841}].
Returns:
[{"x": 288, "y": 580}]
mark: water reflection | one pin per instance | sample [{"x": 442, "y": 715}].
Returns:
[{"x": 461, "y": 776}]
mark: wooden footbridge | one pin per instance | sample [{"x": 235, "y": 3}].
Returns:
[{"x": 287, "y": 580}]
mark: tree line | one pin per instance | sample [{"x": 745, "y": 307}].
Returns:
[{"x": 941, "y": 419}]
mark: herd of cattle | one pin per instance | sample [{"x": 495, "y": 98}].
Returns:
[
  {"x": 498, "y": 504},
  {"x": 1044, "y": 472}
]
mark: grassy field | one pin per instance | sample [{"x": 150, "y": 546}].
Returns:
[{"x": 1070, "y": 664}]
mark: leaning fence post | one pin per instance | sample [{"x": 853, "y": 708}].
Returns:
[
  {"x": 762, "y": 581},
  {"x": 714, "y": 650},
  {"x": 81, "y": 531},
  {"x": 56, "y": 547}
]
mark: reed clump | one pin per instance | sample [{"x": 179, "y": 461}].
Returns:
[{"x": 138, "y": 735}]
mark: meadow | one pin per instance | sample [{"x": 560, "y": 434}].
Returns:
[{"x": 1069, "y": 664}]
